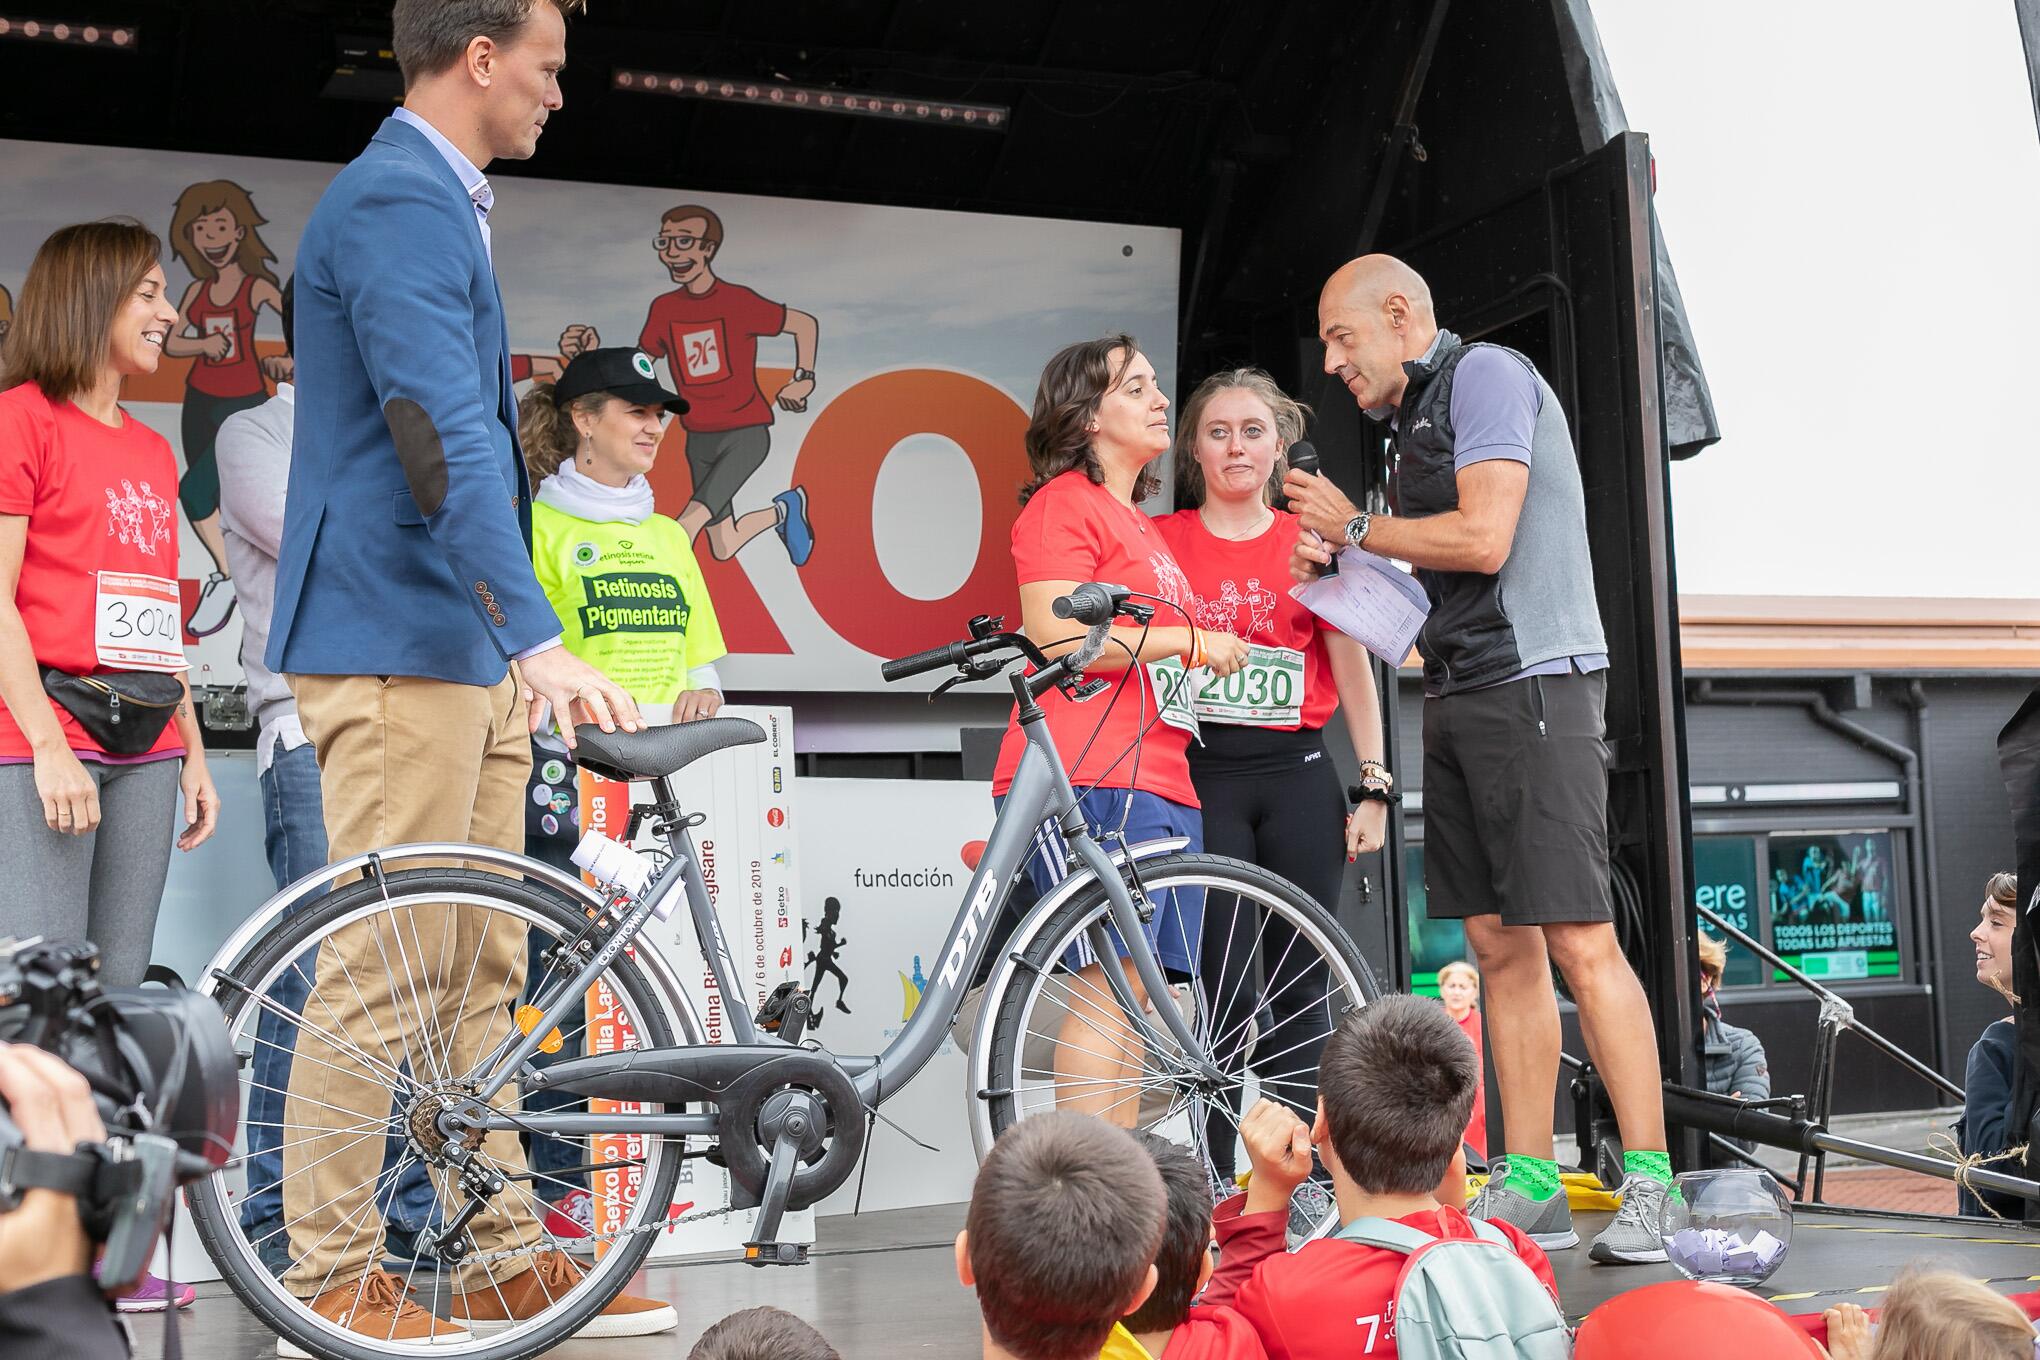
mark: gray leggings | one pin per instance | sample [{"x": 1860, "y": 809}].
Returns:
[{"x": 105, "y": 887}]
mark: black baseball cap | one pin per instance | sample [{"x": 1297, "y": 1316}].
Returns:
[{"x": 623, "y": 372}]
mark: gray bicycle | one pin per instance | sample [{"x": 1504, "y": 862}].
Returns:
[{"x": 465, "y": 1064}]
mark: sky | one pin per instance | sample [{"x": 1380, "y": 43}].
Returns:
[{"x": 1851, "y": 197}]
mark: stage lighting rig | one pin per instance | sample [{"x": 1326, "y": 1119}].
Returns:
[
  {"x": 70, "y": 32},
  {"x": 777, "y": 94}
]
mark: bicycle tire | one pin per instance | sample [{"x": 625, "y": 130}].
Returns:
[
  {"x": 1045, "y": 942},
  {"x": 214, "y": 1212}
]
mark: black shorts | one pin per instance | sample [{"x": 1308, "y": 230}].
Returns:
[
  {"x": 721, "y": 461},
  {"x": 1516, "y": 802}
]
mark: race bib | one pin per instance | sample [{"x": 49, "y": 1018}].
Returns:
[
  {"x": 135, "y": 623},
  {"x": 1266, "y": 692},
  {"x": 1173, "y": 686}
]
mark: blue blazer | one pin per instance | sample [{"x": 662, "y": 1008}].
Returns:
[{"x": 407, "y": 527}]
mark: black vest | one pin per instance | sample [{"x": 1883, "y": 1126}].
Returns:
[{"x": 1468, "y": 640}]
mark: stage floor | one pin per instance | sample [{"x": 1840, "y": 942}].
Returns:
[{"x": 884, "y": 1284}]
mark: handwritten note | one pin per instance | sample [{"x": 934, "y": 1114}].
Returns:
[{"x": 1370, "y": 600}]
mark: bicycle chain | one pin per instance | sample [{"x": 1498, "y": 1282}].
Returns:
[{"x": 660, "y": 1225}]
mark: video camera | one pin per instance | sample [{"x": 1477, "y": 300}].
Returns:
[{"x": 163, "y": 1074}]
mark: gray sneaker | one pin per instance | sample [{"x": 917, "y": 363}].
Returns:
[
  {"x": 1548, "y": 1223},
  {"x": 1313, "y": 1213},
  {"x": 1635, "y": 1237}
]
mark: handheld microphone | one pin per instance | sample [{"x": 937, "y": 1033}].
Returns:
[{"x": 1303, "y": 456}]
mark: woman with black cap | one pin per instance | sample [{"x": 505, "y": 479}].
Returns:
[{"x": 631, "y": 602}]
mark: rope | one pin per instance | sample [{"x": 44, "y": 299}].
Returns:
[{"x": 1966, "y": 1162}]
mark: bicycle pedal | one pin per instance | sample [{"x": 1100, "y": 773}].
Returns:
[
  {"x": 776, "y": 1253},
  {"x": 786, "y": 1012}
]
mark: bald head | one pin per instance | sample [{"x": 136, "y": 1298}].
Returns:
[{"x": 1374, "y": 315}]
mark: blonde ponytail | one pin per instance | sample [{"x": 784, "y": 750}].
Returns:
[{"x": 547, "y": 432}]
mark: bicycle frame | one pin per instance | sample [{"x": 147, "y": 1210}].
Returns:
[{"x": 1041, "y": 789}]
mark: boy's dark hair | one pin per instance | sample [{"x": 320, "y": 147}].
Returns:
[
  {"x": 1064, "y": 1222},
  {"x": 1186, "y": 1237},
  {"x": 762, "y": 1334},
  {"x": 1398, "y": 1078}
]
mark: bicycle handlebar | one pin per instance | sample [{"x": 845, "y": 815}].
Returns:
[{"x": 934, "y": 659}]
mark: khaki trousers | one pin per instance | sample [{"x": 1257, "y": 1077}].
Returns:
[{"x": 402, "y": 759}]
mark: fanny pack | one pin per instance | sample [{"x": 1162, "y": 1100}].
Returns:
[{"x": 124, "y": 711}]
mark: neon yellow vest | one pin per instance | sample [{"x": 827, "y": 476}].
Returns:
[{"x": 630, "y": 598}]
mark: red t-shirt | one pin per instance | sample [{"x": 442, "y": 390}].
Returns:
[
  {"x": 1476, "y": 1127},
  {"x": 1330, "y": 1299},
  {"x": 98, "y": 588},
  {"x": 1213, "y": 1333},
  {"x": 1075, "y": 530},
  {"x": 710, "y": 345},
  {"x": 1243, "y": 588}
]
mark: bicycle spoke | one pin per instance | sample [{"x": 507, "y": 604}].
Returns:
[{"x": 338, "y": 1045}]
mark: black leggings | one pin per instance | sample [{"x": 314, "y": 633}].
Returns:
[{"x": 1273, "y": 799}]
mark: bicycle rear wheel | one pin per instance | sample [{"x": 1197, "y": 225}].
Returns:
[
  {"x": 1287, "y": 972},
  {"x": 419, "y": 939}
]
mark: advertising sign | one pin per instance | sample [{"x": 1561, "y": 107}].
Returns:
[{"x": 1831, "y": 903}]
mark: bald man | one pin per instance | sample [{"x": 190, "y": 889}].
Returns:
[{"x": 1491, "y": 514}]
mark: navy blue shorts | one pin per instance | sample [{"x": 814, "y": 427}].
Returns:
[{"x": 1179, "y": 914}]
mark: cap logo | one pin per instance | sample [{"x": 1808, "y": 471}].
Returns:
[{"x": 642, "y": 362}]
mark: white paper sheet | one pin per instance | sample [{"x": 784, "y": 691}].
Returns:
[{"x": 1370, "y": 600}]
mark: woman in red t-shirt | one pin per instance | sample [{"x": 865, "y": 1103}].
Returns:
[
  {"x": 88, "y": 586},
  {"x": 1270, "y": 793},
  {"x": 1099, "y": 419}
]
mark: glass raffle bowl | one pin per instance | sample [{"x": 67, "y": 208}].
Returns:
[{"x": 1730, "y": 1226}]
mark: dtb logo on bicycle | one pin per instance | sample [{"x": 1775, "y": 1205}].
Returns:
[{"x": 980, "y": 904}]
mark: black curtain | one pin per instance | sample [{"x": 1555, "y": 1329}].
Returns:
[{"x": 2019, "y": 760}]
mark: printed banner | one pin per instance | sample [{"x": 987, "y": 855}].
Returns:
[
  {"x": 880, "y": 494},
  {"x": 746, "y": 851}
]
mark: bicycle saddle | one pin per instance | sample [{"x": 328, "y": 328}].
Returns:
[{"x": 659, "y": 751}]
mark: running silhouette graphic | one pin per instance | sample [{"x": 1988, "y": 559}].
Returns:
[{"x": 823, "y": 957}]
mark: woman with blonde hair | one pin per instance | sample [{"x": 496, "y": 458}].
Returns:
[
  {"x": 1933, "y": 1315},
  {"x": 1270, "y": 792}
]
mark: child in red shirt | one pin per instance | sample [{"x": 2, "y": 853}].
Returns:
[
  {"x": 1394, "y": 1091},
  {"x": 1168, "y": 1326}
]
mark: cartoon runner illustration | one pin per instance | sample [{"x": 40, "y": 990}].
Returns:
[
  {"x": 213, "y": 230},
  {"x": 6, "y": 316},
  {"x": 823, "y": 957},
  {"x": 707, "y": 330},
  {"x": 546, "y": 368}
]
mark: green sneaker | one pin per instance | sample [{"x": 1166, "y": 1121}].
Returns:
[
  {"x": 1636, "y": 1237},
  {"x": 1548, "y": 1222}
]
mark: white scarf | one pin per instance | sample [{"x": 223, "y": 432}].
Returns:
[{"x": 575, "y": 493}]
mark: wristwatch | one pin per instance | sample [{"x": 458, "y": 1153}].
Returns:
[
  {"x": 803, "y": 375},
  {"x": 1356, "y": 529}
]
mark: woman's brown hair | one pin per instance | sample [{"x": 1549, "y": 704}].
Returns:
[
  {"x": 205, "y": 199},
  {"x": 1058, "y": 436},
  {"x": 63, "y": 321},
  {"x": 547, "y": 431},
  {"x": 2003, "y": 889},
  {"x": 1940, "y": 1315},
  {"x": 1289, "y": 415}
]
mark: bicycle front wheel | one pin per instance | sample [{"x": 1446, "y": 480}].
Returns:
[
  {"x": 359, "y": 1019},
  {"x": 1277, "y": 973}
]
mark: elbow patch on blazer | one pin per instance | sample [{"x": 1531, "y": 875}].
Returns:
[{"x": 419, "y": 451}]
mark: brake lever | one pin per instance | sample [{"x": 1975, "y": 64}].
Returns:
[{"x": 977, "y": 668}]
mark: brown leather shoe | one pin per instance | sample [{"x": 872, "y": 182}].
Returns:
[
  {"x": 377, "y": 1307},
  {"x": 552, "y": 1274}
]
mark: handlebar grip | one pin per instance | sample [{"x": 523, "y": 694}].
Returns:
[
  {"x": 1092, "y": 603},
  {"x": 934, "y": 659}
]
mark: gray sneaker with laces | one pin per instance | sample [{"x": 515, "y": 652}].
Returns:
[
  {"x": 1635, "y": 1237},
  {"x": 1548, "y": 1223}
]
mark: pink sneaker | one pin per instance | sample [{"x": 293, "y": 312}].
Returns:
[
  {"x": 571, "y": 1223},
  {"x": 154, "y": 1295}
]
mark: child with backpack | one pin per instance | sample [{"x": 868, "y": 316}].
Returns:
[
  {"x": 1168, "y": 1324},
  {"x": 1406, "y": 1277}
]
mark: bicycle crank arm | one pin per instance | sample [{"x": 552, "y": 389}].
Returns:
[
  {"x": 765, "y": 1248},
  {"x": 673, "y": 1076}
]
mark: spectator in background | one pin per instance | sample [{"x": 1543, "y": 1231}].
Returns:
[
  {"x": 253, "y": 454},
  {"x": 88, "y": 587},
  {"x": 1933, "y": 1315},
  {"x": 1984, "y": 1130},
  {"x": 1459, "y": 989},
  {"x": 1735, "y": 1061},
  {"x": 762, "y": 1334}
]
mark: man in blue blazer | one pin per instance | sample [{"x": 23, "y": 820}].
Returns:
[{"x": 417, "y": 640}]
